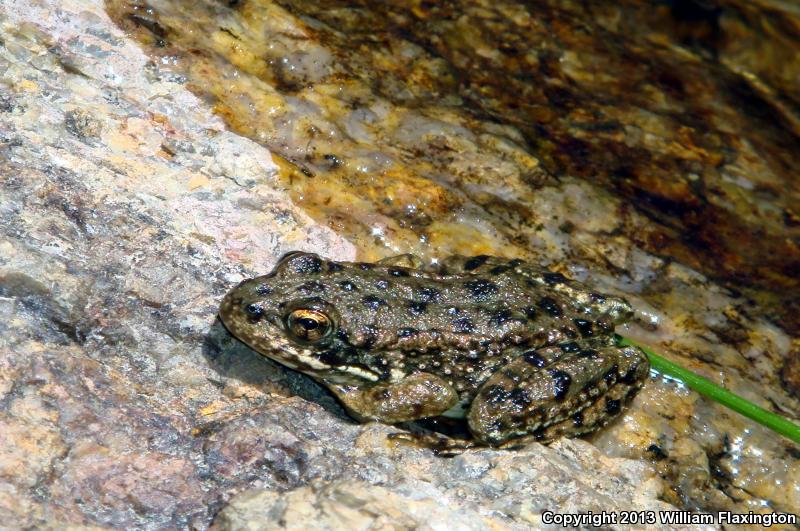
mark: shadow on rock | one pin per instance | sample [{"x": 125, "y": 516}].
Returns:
[{"x": 230, "y": 358}]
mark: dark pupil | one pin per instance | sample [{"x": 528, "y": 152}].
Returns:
[{"x": 308, "y": 324}]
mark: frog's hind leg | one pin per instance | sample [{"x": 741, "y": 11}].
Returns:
[
  {"x": 540, "y": 396},
  {"x": 593, "y": 417}
]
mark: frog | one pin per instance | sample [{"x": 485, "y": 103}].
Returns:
[{"x": 516, "y": 351}]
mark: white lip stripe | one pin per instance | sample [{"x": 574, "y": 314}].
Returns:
[{"x": 302, "y": 360}]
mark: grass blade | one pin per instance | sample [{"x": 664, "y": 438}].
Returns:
[{"x": 706, "y": 387}]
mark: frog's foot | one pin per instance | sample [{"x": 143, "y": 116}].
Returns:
[{"x": 439, "y": 444}]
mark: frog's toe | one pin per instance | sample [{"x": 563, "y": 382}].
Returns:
[{"x": 439, "y": 444}]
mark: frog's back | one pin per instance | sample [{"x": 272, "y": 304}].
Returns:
[
  {"x": 463, "y": 303},
  {"x": 573, "y": 299}
]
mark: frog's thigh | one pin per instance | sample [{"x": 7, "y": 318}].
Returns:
[
  {"x": 416, "y": 396},
  {"x": 570, "y": 396}
]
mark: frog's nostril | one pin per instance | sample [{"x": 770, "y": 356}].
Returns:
[{"x": 254, "y": 312}]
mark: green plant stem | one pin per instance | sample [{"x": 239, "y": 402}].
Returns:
[{"x": 708, "y": 388}]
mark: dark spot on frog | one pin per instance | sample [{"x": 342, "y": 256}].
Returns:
[
  {"x": 397, "y": 272},
  {"x": 305, "y": 264},
  {"x": 369, "y": 337},
  {"x": 561, "y": 383},
  {"x": 428, "y": 294},
  {"x": 364, "y": 266},
  {"x": 552, "y": 279},
  {"x": 515, "y": 262},
  {"x": 382, "y": 284},
  {"x": 495, "y": 394},
  {"x": 605, "y": 325},
  {"x": 481, "y": 290},
  {"x": 333, "y": 267},
  {"x": 475, "y": 262},
  {"x": 613, "y": 407},
  {"x": 331, "y": 357},
  {"x": 570, "y": 348},
  {"x": 530, "y": 312},
  {"x": 493, "y": 429},
  {"x": 588, "y": 353},
  {"x": 417, "y": 307},
  {"x": 348, "y": 286},
  {"x": 577, "y": 419},
  {"x": 373, "y": 302},
  {"x": 568, "y": 332},
  {"x": 521, "y": 398},
  {"x": 597, "y": 298},
  {"x": 631, "y": 376},
  {"x": 263, "y": 289},
  {"x": 550, "y": 306},
  {"x": 311, "y": 287},
  {"x": 499, "y": 270},
  {"x": 254, "y": 312},
  {"x": 610, "y": 376},
  {"x": 463, "y": 325},
  {"x": 584, "y": 327},
  {"x": 342, "y": 336},
  {"x": 538, "y": 435},
  {"x": 500, "y": 317},
  {"x": 632, "y": 391},
  {"x": 407, "y": 332},
  {"x": 534, "y": 358}
]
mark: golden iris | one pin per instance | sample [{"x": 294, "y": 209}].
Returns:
[{"x": 308, "y": 325}]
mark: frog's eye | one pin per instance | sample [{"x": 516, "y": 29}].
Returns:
[{"x": 308, "y": 325}]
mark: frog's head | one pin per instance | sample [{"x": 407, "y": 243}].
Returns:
[{"x": 292, "y": 315}]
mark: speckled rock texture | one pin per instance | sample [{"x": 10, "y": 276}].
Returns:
[{"x": 127, "y": 209}]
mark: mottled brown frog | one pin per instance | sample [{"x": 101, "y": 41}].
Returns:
[{"x": 520, "y": 352}]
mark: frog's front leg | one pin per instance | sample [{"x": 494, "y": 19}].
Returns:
[
  {"x": 541, "y": 397},
  {"x": 418, "y": 395}
]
